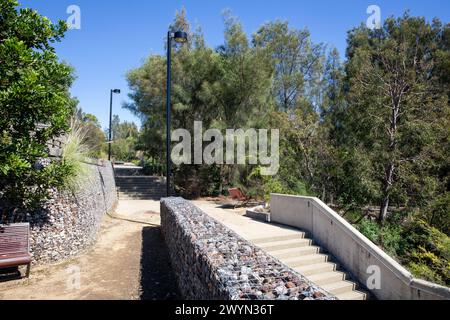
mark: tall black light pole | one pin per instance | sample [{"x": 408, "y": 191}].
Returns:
[
  {"x": 110, "y": 121},
  {"x": 180, "y": 37}
]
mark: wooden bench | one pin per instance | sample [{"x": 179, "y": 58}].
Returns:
[
  {"x": 237, "y": 194},
  {"x": 15, "y": 246}
]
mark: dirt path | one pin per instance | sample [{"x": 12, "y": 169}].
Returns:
[{"x": 129, "y": 261}]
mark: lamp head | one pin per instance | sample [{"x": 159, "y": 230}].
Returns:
[
  {"x": 180, "y": 37},
  {"x": 116, "y": 91}
]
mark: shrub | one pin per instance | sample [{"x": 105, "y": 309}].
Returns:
[
  {"x": 426, "y": 251},
  {"x": 74, "y": 156},
  {"x": 370, "y": 229},
  {"x": 35, "y": 105},
  {"x": 391, "y": 238},
  {"x": 437, "y": 214}
]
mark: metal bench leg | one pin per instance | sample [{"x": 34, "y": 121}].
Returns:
[{"x": 28, "y": 270}]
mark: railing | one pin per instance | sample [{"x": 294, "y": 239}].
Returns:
[{"x": 357, "y": 254}]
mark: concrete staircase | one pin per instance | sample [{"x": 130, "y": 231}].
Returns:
[
  {"x": 299, "y": 253},
  {"x": 140, "y": 187}
]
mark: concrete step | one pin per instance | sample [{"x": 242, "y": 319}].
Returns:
[
  {"x": 130, "y": 188},
  {"x": 286, "y": 244},
  {"x": 261, "y": 241},
  {"x": 312, "y": 269},
  {"x": 306, "y": 260},
  {"x": 339, "y": 287},
  {"x": 295, "y": 252},
  {"x": 327, "y": 277},
  {"x": 136, "y": 183},
  {"x": 122, "y": 182},
  {"x": 140, "y": 177},
  {"x": 141, "y": 194},
  {"x": 140, "y": 190},
  {"x": 123, "y": 196},
  {"x": 118, "y": 185},
  {"x": 353, "y": 295},
  {"x": 150, "y": 183},
  {"x": 143, "y": 191},
  {"x": 139, "y": 181},
  {"x": 140, "y": 198}
]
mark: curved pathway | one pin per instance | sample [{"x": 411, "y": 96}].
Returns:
[{"x": 128, "y": 262}]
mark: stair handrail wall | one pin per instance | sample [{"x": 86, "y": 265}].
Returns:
[{"x": 356, "y": 253}]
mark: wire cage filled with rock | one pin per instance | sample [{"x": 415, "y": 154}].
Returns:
[{"x": 213, "y": 262}]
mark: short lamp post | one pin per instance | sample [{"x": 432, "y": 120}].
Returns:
[
  {"x": 116, "y": 91},
  {"x": 179, "y": 37}
]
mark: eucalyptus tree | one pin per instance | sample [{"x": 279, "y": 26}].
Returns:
[{"x": 397, "y": 114}]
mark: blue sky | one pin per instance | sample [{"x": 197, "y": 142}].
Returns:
[{"x": 117, "y": 35}]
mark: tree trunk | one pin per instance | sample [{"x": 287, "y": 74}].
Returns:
[
  {"x": 386, "y": 193},
  {"x": 384, "y": 208}
]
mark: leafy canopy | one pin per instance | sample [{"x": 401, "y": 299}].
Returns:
[{"x": 34, "y": 103}]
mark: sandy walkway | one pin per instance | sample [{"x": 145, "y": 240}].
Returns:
[{"x": 129, "y": 261}]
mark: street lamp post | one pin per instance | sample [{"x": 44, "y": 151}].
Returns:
[
  {"x": 117, "y": 91},
  {"x": 179, "y": 37}
]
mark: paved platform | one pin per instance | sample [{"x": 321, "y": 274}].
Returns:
[{"x": 248, "y": 228}]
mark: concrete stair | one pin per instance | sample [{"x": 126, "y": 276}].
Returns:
[
  {"x": 298, "y": 252},
  {"x": 140, "y": 187}
]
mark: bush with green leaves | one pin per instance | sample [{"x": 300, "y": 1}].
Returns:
[
  {"x": 421, "y": 248},
  {"x": 74, "y": 155},
  {"x": 426, "y": 251},
  {"x": 35, "y": 105}
]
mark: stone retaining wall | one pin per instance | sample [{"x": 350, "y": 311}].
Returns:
[
  {"x": 69, "y": 222},
  {"x": 214, "y": 263}
]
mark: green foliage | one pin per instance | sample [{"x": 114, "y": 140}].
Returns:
[
  {"x": 391, "y": 238},
  {"x": 35, "y": 104},
  {"x": 426, "y": 251},
  {"x": 397, "y": 112},
  {"x": 370, "y": 229},
  {"x": 437, "y": 213},
  {"x": 368, "y": 132},
  {"x": 125, "y": 140},
  {"x": 151, "y": 168},
  {"x": 75, "y": 154},
  {"x": 94, "y": 137}
]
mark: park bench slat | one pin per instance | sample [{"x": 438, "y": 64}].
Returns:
[{"x": 15, "y": 245}]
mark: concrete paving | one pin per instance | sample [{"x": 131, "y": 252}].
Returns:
[
  {"x": 247, "y": 228},
  {"x": 289, "y": 245}
]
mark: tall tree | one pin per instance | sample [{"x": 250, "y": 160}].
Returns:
[
  {"x": 35, "y": 104},
  {"x": 296, "y": 60},
  {"x": 94, "y": 137},
  {"x": 396, "y": 112}
]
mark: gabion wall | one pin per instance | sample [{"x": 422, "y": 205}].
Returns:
[
  {"x": 214, "y": 263},
  {"x": 69, "y": 221}
]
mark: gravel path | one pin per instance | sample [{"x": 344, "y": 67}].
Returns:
[{"x": 129, "y": 262}]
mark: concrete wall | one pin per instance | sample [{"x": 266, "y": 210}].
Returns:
[
  {"x": 354, "y": 251},
  {"x": 211, "y": 262}
]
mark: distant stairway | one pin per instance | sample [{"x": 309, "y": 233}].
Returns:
[
  {"x": 140, "y": 187},
  {"x": 299, "y": 253}
]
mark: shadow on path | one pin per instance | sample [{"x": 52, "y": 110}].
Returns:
[{"x": 158, "y": 281}]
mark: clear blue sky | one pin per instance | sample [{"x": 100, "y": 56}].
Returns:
[{"x": 116, "y": 35}]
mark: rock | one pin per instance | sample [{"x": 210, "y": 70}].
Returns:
[
  {"x": 67, "y": 223},
  {"x": 290, "y": 285},
  {"x": 213, "y": 263}
]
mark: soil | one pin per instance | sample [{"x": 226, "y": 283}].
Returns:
[{"x": 129, "y": 261}]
